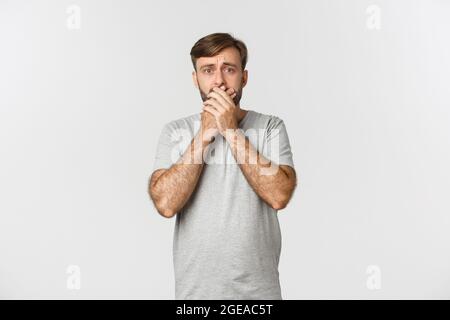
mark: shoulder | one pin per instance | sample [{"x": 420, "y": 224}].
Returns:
[
  {"x": 188, "y": 122},
  {"x": 267, "y": 121}
]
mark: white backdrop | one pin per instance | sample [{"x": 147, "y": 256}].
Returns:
[{"x": 86, "y": 86}]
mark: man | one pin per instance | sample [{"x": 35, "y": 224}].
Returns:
[{"x": 225, "y": 183}]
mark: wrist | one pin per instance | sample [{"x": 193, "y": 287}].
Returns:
[
  {"x": 232, "y": 134},
  {"x": 207, "y": 136}
]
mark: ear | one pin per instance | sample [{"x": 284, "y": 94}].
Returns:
[
  {"x": 194, "y": 79},
  {"x": 244, "y": 78}
]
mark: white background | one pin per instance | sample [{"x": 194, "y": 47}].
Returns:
[{"x": 367, "y": 112}]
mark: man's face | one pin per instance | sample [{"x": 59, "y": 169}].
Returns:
[{"x": 224, "y": 69}]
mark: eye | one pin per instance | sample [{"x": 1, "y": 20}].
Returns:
[
  {"x": 231, "y": 70},
  {"x": 206, "y": 70}
]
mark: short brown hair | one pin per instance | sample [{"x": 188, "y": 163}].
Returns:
[{"x": 212, "y": 44}]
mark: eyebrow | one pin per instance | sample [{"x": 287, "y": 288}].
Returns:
[{"x": 213, "y": 65}]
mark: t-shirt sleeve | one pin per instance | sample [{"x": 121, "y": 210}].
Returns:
[
  {"x": 167, "y": 149},
  {"x": 277, "y": 146}
]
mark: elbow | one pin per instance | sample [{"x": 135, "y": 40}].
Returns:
[
  {"x": 165, "y": 210},
  {"x": 279, "y": 205},
  {"x": 166, "y": 213},
  {"x": 161, "y": 206},
  {"x": 282, "y": 199}
]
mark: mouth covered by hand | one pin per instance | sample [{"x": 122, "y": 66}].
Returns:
[{"x": 230, "y": 91}]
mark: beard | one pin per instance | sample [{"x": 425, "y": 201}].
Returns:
[{"x": 236, "y": 99}]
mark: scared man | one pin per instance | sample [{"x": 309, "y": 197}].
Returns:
[{"x": 225, "y": 183}]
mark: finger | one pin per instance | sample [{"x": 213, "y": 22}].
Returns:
[
  {"x": 221, "y": 87},
  {"x": 223, "y": 95},
  {"x": 212, "y": 111},
  {"x": 230, "y": 91},
  {"x": 213, "y": 102},
  {"x": 219, "y": 98}
]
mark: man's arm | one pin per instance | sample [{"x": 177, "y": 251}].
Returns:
[
  {"x": 274, "y": 183},
  {"x": 171, "y": 188}
]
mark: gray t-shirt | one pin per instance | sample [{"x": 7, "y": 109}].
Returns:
[{"x": 227, "y": 240}]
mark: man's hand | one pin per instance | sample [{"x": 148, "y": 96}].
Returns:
[
  {"x": 221, "y": 106},
  {"x": 209, "y": 128},
  {"x": 209, "y": 123}
]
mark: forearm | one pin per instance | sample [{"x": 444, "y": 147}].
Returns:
[
  {"x": 173, "y": 188},
  {"x": 266, "y": 178}
]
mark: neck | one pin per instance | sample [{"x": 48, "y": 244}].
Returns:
[{"x": 241, "y": 113}]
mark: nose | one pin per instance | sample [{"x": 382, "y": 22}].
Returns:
[{"x": 218, "y": 81}]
